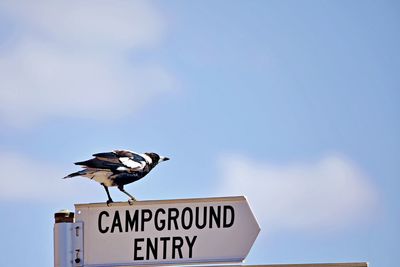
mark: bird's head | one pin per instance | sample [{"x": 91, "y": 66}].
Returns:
[{"x": 155, "y": 158}]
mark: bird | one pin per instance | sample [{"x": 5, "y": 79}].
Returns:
[{"x": 118, "y": 168}]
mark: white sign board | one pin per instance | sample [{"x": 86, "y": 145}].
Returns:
[{"x": 167, "y": 231}]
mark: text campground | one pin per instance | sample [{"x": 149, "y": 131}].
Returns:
[{"x": 164, "y": 220}]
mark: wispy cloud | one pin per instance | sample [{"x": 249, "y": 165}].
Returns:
[
  {"x": 330, "y": 192},
  {"x": 70, "y": 58},
  {"x": 23, "y": 178}
]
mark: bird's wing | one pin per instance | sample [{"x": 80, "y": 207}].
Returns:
[
  {"x": 100, "y": 163},
  {"x": 129, "y": 154},
  {"x": 131, "y": 159},
  {"x": 107, "y": 156},
  {"x": 132, "y": 164},
  {"x": 120, "y": 160}
]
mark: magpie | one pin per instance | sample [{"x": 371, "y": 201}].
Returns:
[{"x": 118, "y": 168}]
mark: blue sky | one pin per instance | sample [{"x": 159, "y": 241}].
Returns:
[{"x": 291, "y": 103}]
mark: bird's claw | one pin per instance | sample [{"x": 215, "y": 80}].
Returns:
[
  {"x": 130, "y": 201},
  {"x": 109, "y": 203}
]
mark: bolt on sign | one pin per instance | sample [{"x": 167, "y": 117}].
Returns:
[{"x": 204, "y": 230}]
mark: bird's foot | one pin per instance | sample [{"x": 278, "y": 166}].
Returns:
[
  {"x": 109, "y": 202},
  {"x": 131, "y": 201}
]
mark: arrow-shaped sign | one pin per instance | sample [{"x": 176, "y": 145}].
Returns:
[{"x": 167, "y": 231}]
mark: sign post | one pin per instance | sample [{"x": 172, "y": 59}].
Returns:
[{"x": 66, "y": 239}]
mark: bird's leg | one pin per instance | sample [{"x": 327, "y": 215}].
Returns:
[
  {"x": 121, "y": 187},
  {"x": 108, "y": 194}
]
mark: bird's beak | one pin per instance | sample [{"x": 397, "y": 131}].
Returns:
[{"x": 163, "y": 159}]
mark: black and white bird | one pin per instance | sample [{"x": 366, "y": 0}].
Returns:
[{"x": 118, "y": 168}]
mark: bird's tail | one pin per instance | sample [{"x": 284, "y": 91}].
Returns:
[{"x": 79, "y": 173}]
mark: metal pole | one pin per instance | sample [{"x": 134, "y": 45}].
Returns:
[{"x": 63, "y": 227}]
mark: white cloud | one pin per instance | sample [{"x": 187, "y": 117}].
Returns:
[
  {"x": 25, "y": 179},
  {"x": 70, "y": 59},
  {"x": 332, "y": 192},
  {"x": 99, "y": 23}
]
